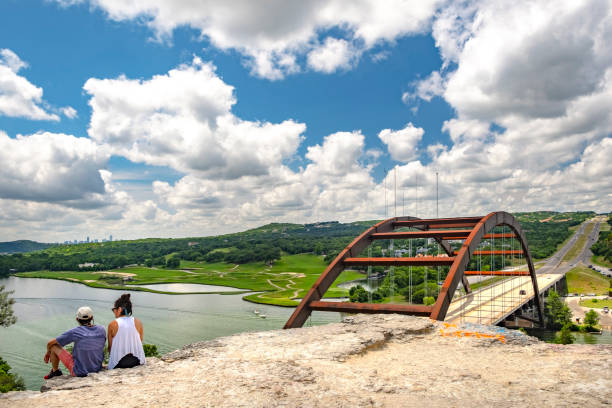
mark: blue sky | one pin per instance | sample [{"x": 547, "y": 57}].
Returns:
[
  {"x": 73, "y": 44},
  {"x": 294, "y": 112}
]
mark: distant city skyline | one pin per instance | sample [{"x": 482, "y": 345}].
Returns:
[
  {"x": 174, "y": 118},
  {"x": 88, "y": 241}
]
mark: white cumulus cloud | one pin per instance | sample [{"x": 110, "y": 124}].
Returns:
[
  {"x": 335, "y": 183},
  {"x": 183, "y": 119},
  {"x": 18, "y": 96},
  {"x": 402, "y": 144},
  {"x": 334, "y": 54},
  {"x": 55, "y": 168},
  {"x": 272, "y": 35},
  {"x": 69, "y": 112},
  {"x": 529, "y": 89},
  {"x": 427, "y": 88}
]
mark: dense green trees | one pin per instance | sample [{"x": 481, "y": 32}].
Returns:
[
  {"x": 358, "y": 294},
  {"x": 257, "y": 253},
  {"x": 421, "y": 292},
  {"x": 8, "y": 380},
  {"x": 565, "y": 336},
  {"x": 544, "y": 237},
  {"x": 558, "y": 314},
  {"x": 6, "y": 308},
  {"x": 400, "y": 284},
  {"x": 603, "y": 246},
  {"x": 22, "y": 246},
  {"x": 264, "y": 244},
  {"x": 173, "y": 262},
  {"x": 591, "y": 319},
  {"x": 429, "y": 300}
]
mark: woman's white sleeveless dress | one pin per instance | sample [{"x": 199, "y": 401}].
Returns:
[{"x": 126, "y": 341}]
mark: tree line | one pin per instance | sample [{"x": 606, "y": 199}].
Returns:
[
  {"x": 259, "y": 245},
  {"x": 264, "y": 244},
  {"x": 603, "y": 246}
]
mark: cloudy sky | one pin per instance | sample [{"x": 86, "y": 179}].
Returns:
[{"x": 171, "y": 118}]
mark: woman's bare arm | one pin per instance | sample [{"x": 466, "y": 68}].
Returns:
[
  {"x": 112, "y": 331},
  {"x": 138, "y": 325}
]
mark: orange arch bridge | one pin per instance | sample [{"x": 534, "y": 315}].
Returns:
[{"x": 471, "y": 230}]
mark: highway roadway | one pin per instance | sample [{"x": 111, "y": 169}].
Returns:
[{"x": 494, "y": 303}]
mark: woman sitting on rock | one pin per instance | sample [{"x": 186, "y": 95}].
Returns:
[{"x": 125, "y": 336}]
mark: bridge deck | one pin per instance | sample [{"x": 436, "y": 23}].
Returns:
[{"x": 494, "y": 303}]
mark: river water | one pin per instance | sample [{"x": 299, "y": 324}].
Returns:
[
  {"x": 45, "y": 308},
  {"x": 580, "y": 338}
]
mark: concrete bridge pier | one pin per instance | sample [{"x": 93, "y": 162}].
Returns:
[{"x": 526, "y": 315}]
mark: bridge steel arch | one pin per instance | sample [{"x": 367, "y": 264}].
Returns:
[{"x": 472, "y": 230}]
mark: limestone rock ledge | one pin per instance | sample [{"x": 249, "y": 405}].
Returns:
[{"x": 365, "y": 361}]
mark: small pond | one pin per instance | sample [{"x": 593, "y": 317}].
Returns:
[{"x": 188, "y": 288}]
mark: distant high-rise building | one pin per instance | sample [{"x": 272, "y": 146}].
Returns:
[
  {"x": 110, "y": 238},
  {"x": 87, "y": 239}
]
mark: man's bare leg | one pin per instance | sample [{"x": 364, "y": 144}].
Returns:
[{"x": 55, "y": 351}]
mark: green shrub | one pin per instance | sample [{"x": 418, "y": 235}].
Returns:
[
  {"x": 150, "y": 350},
  {"x": 358, "y": 294},
  {"x": 557, "y": 312},
  {"x": 591, "y": 319},
  {"x": 9, "y": 381},
  {"x": 173, "y": 262},
  {"x": 111, "y": 279},
  {"x": 565, "y": 336}
]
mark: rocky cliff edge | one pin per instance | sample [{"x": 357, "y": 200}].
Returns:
[{"x": 365, "y": 361}]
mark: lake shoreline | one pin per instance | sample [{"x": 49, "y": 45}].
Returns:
[
  {"x": 271, "y": 284},
  {"x": 239, "y": 291},
  {"x": 46, "y": 307}
]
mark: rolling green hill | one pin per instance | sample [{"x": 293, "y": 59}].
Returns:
[
  {"x": 21, "y": 246},
  {"x": 544, "y": 230},
  {"x": 279, "y": 261}
]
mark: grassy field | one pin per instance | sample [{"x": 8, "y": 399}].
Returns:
[
  {"x": 288, "y": 278},
  {"x": 596, "y": 305},
  {"x": 580, "y": 242},
  {"x": 486, "y": 282},
  {"x": 562, "y": 244},
  {"x": 599, "y": 260},
  {"x": 583, "y": 280}
]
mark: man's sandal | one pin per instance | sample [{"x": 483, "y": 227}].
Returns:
[{"x": 52, "y": 374}]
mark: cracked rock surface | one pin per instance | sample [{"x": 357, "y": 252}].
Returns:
[{"x": 365, "y": 361}]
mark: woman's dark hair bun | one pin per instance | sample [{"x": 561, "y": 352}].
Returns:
[{"x": 125, "y": 303}]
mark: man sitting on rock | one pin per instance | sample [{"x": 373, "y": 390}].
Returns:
[{"x": 88, "y": 351}]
